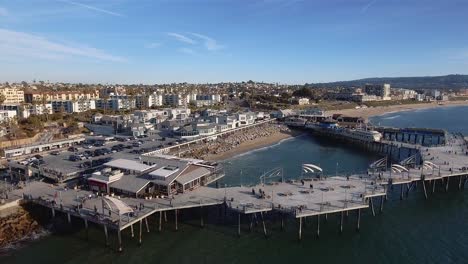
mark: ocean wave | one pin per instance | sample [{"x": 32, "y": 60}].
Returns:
[
  {"x": 265, "y": 147},
  {"x": 391, "y": 117}
]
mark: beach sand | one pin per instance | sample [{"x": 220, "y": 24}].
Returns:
[
  {"x": 376, "y": 111},
  {"x": 253, "y": 144}
]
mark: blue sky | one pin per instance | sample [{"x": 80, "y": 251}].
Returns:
[{"x": 285, "y": 41}]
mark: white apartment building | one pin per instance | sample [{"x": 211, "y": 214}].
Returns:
[
  {"x": 39, "y": 109},
  {"x": 146, "y": 101},
  {"x": 79, "y": 106},
  {"x": 246, "y": 118},
  {"x": 116, "y": 103},
  {"x": 7, "y": 116},
  {"x": 176, "y": 99}
]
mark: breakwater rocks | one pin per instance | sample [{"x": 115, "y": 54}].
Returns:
[
  {"x": 17, "y": 226},
  {"x": 231, "y": 141}
]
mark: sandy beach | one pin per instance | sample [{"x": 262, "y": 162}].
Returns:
[
  {"x": 376, "y": 111},
  {"x": 253, "y": 144}
]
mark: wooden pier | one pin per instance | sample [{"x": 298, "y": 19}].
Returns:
[{"x": 299, "y": 199}]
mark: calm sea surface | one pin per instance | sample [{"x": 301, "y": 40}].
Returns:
[{"x": 410, "y": 231}]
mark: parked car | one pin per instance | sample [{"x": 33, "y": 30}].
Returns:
[{"x": 55, "y": 153}]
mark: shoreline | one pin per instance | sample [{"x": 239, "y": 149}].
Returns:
[
  {"x": 362, "y": 112},
  {"x": 253, "y": 145},
  {"x": 382, "y": 110}
]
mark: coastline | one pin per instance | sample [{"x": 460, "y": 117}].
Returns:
[
  {"x": 252, "y": 145},
  {"x": 382, "y": 110}
]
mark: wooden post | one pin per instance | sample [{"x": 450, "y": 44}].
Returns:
[
  {"x": 147, "y": 226},
  {"x": 165, "y": 216},
  {"x": 238, "y": 224},
  {"x": 460, "y": 182},
  {"x": 300, "y": 228},
  {"x": 106, "y": 236},
  {"x": 447, "y": 185},
  {"x": 372, "y": 206},
  {"x": 433, "y": 185},
  {"x": 160, "y": 221},
  {"x": 424, "y": 188},
  {"x": 358, "y": 227},
  {"x": 69, "y": 218},
  {"x": 251, "y": 223},
  {"x": 176, "y": 224},
  {"x": 326, "y": 218},
  {"x": 318, "y": 226},
  {"x": 53, "y": 212},
  {"x": 263, "y": 223},
  {"x": 140, "y": 231},
  {"x": 119, "y": 237},
  {"x": 131, "y": 230}
]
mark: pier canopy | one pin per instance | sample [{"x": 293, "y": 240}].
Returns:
[
  {"x": 117, "y": 205},
  {"x": 399, "y": 168},
  {"x": 311, "y": 168}
]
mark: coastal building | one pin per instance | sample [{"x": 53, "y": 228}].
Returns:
[
  {"x": 176, "y": 99},
  {"x": 69, "y": 106},
  {"x": 37, "y": 96},
  {"x": 11, "y": 95},
  {"x": 246, "y": 118},
  {"x": 7, "y": 116},
  {"x": 148, "y": 101},
  {"x": 303, "y": 101},
  {"x": 381, "y": 90},
  {"x": 116, "y": 103}
]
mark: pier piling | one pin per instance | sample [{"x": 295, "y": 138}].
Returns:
[
  {"x": 358, "y": 220},
  {"x": 300, "y": 228},
  {"x": 424, "y": 188},
  {"x": 371, "y": 203},
  {"x": 140, "y": 231},
  {"x": 86, "y": 228},
  {"x": 263, "y": 223},
  {"x": 69, "y": 218},
  {"x": 318, "y": 226},
  {"x": 131, "y": 230},
  {"x": 341, "y": 222},
  {"x": 147, "y": 226},
  {"x": 447, "y": 184},
  {"x": 382, "y": 199},
  {"x": 106, "y": 236},
  {"x": 160, "y": 221},
  {"x": 238, "y": 224},
  {"x": 119, "y": 237},
  {"x": 176, "y": 224}
]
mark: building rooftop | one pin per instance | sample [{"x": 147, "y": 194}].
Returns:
[{"x": 126, "y": 164}]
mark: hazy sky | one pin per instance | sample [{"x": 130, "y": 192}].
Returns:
[{"x": 286, "y": 41}]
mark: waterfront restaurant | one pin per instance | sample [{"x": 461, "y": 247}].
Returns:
[{"x": 156, "y": 175}]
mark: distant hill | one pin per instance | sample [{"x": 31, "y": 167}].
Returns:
[{"x": 454, "y": 81}]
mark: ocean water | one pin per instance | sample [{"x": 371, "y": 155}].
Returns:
[{"x": 414, "y": 230}]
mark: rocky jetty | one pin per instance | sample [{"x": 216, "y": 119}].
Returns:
[
  {"x": 17, "y": 226},
  {"x": 231, "y": 141}
]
